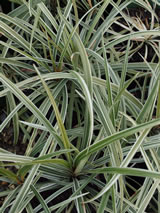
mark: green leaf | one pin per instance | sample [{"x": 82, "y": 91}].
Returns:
[
  {"x": 65, "y": 138},
  {"x": 28, "y": 181},
  {"x": 12, "y": 106},
  {"x": 29, "y": 104},
  {"x": 149, "y": 103},
  {"x": 9, "y": 174},
  {"x": 89, "y": 107},
  {"x": 126, "y": 171},
  {"x": 96, "y": 19},
  {"x": 67, "y": 201},
  {"x": 40, "y": 198},
  {"x": 113, "y": 138}
]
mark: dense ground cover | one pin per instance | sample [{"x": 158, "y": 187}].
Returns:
[{"x": 80, "y": 107}]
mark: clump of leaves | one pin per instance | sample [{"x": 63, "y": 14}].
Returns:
[{"x": 67, "y": 83}]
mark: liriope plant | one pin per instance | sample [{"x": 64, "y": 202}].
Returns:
[{"x": 69, "y": 88}]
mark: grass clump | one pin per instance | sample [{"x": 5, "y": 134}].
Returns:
[{"x": 85, "y": 111}]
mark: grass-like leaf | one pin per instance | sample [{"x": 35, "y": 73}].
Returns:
[{"x": 58, "y": 117}]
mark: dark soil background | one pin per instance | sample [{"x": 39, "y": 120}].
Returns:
[{"x": 6, "y": 6}]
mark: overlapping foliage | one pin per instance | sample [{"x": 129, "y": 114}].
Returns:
[{"x": 74, "y": 93}]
